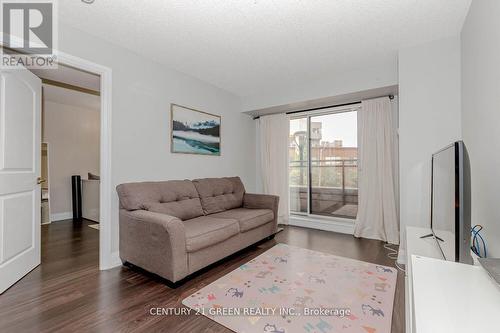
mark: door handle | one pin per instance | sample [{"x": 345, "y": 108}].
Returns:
[{"x": 40, "y": 180}]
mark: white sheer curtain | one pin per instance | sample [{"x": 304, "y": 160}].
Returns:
[
  {"x": 274, "y": 159},
  {"x": 377, "y": 173}
]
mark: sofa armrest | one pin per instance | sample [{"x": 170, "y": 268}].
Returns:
[
  {"x": 155, "y": 242},
  {"x": 262, "y": 201}
]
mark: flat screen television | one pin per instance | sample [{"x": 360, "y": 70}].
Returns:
[{"x": 451, "y": 202}]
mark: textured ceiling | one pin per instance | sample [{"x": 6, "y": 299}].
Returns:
[{"x": 252, "y": 46}]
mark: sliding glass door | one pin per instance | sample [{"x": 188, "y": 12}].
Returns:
[{"x": 323, "y": 164}]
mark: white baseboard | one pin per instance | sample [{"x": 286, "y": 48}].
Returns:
[
  {"x": 344, "y": 227},
  {"x": 401, "y": 256},
  {"x": 61, "y": 216},
  {"x": 113, "y": 261}
]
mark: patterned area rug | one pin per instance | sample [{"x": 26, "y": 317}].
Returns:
[{"x": 289, "y": 289}]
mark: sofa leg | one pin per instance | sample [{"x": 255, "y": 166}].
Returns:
[{"x": 270, "y": 237}]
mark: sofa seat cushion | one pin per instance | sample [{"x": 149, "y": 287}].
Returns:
[
  {"x": 204, "y": 231},
  {"x": 247, "y": 218}
]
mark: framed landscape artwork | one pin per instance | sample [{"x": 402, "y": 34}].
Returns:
[{"x": 194, "y": 132}]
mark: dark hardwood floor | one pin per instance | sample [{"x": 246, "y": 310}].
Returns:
[{"x": 68, "y": 293}]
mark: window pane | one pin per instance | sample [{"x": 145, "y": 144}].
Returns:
[
  {"x": 334, "y": 161},
  {"x": 298, "y": 170}
]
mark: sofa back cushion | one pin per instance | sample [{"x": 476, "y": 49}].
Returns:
[
  {"x": 177, "y": 198},
  {"x": 220, "y": 194}
]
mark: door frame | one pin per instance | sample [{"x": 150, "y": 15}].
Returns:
[{"x": 107, "y": 258}]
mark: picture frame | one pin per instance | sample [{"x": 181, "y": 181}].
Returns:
[{"x": 194, "y": 132}]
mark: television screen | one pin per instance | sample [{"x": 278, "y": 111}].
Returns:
[
  {"x": 451, "y": 204},
  {"x": 443, "y": 200}
]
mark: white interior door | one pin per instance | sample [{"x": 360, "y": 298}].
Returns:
[{"x": 20, "y": 150}]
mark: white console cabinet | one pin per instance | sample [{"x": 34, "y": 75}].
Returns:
[{"x": 444, "y": 296}]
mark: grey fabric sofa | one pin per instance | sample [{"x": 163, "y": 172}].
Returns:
[{"x": 175, "y": 228}]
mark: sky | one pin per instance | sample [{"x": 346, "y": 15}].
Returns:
[
  {"x": 188, "y": 116},
  {"x": 337, "y": 126}
]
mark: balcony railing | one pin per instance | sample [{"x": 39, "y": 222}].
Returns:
[{"x": 334, "y": 187}]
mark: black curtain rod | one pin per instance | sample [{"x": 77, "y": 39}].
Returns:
[{"x": 325, "y": 107}]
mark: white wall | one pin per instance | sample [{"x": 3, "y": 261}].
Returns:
[
  {"x": 429, "y": 119},
  {"x": 481, "y": 114},
  {"x": 383, "y": 75},
  {"x": 73, "y": 137},
  {"x": 142, "y": 93}
]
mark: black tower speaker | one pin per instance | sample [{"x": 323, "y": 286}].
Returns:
[{"x": 76, "y": 186}]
